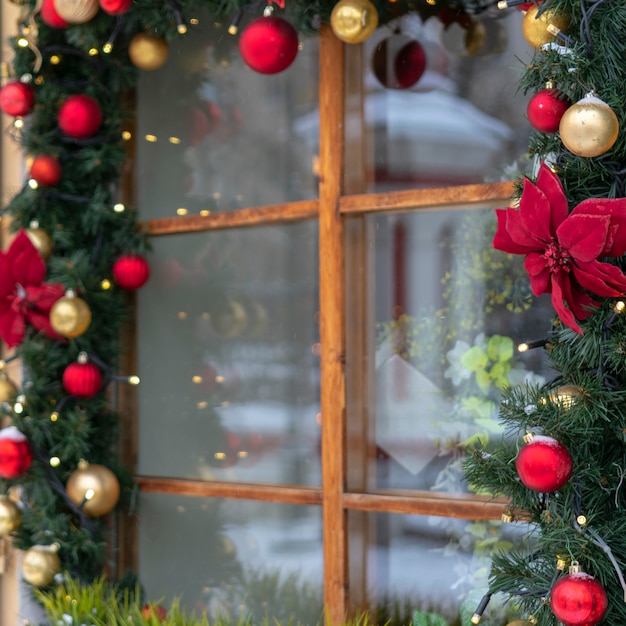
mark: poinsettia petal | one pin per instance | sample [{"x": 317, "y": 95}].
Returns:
[
  {"x": 41, "y": 321},
  {"x": 584, "y": 236},
  {"x": 550, "y": 185},
  {"x": 27, "y": 266},
  {"x": 578, "y": 301},
  {"x": 535, "y": 214},
  {"x": 539, "y": 273},
  {"x": 615, "y": 208},
  {"x": 12, "y": 327},
  {"x": 7, "y": 284},
  {"x": 603, "y": 279},
  {"x": 502, "y": 239},
  {"x": 558, "y": 302},
  {"x": 44, "y": 296}
]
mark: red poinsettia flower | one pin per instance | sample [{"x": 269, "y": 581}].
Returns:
[
  {"x": 562, "y": 249},
  {"x": 24, "y": 297}
]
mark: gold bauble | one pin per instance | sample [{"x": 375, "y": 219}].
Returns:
[
  {"x": 354, "y": 21},
  {"x": 8, "y": 389},
  {"x": 76, "y": 11},
  {"x": 589, "y": 128},
  {"x": 70, "y": 316},
  {"x": 148, "y": 52},
  {"x": 10, "y": 516},
  {"x": 231, "y": 321},
  {"x": 94, "y": 488},
  {"x": 565, "y": 395},
  {"x": 535, "y": 29},
  {"x": 41, "y": 240},
  {"x": 40, "y": 565}
]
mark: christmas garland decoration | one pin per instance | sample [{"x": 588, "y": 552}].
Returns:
[{"x": 66, "y": 277}]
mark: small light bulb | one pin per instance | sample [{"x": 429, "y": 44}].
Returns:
[
  {"x": 181, "y": 211},
  {"x": 18, "y": 408},
  {"x": 205, "y": 212},
  {"x": 119, "y": 207},
  {"x": 196, "y": 380},
  {"x": 22, "y": 42},
  {"x": 55, "y": 461},
  {"x": 151, "y": 138},
  {"x": 182, "y": 29},
  {"x": 93, "y": 52},
  {"x": 220, "y": 455},
  {"x": 134, "y": 380},
  {"x": 194, "y": 21},
  {"x": 89, "y": 494},
  {"x": 54, "y": 416},
  {"x": 107, "y": 48},
  {"x": 619, "y": 306},
  {"x": 174, "y": 140},
  {"x": 33, "y": 184},
  {"x": 105, "y": 284},
  {"x": 182, "y": 315},
  {"x": 219, "y": 379},
  {"x": 202, "y": 405},
  {"x": 55, "y": 59},
  {"x": 242, "y": 454},
  {"x": 126, "y": 135},
  {"x": 18, "y": 123},
  {"x": 40, "y": 80},
  {"x": 523, "y": 347}
]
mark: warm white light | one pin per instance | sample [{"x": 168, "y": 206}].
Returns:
[
  {"x": 151, "y": 138},
  {"x": 33, "y": 184},
  {"x": 181, "y": 211},
  {"x": 119, "y": 207},
  {"x": 55, "y": 461},
  {"x": 134, "y": 380},
  {"x": 89, "y": 494}
]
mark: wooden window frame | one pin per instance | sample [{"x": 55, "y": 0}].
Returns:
[{"x": 335, "y": 208}]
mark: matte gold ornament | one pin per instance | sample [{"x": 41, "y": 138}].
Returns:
[
  {"x": 231, "y": 321},
  {"x": 10, "y": 516},
  {"x": 70, "y": 315},
  {"x": 535, "y": 28},
  {"x": 8, "y": 389},
  {"x": 40, "y": 565},
  {"x": 354, "y": 21},
  {"x": 148, "y": 52},
  {"x": 94, "y": 488},
  {"x": 76, "y": 11},
  {"x": 589, "y": 128},
  {"x": 40, "y": 239}
]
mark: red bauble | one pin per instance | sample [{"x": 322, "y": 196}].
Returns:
[
  {"x": 269, "y": 44},
  {"x": 131, "y": 271},
  {"x": 544, "y": 464},
  {"x": 545, "y": 110},
  {"x": 578, "y": 600},
  {"x": 17, "y": 98},
  {"x": 399, "y": 62},
  {"x": 15, "y": 453},
  {"x": 115, "y": 7},
  {"x": 82, "y": 380},
  {"x": 46, "y": 170},
  {"x": 50, "y": 16},
  {"x": 80, "y": 116}
]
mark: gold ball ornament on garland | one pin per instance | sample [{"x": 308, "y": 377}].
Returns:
[
  {"x": 148, "y": 52},
  {"x": 589, "y": 127},
  {"x": 8, "y": 389},
  {"x": 70, "y": 315},
  {"x": 565, "y": 395},
  {"x": 40, "y": 239},
  {"x": 10, "y": 516},
  {"x": 94, "y": 488},
  {"x": 535, "y": 26},
  {"x": 40, "y": 565},
  {"x": 76, "y": 11},
  {"x": 354, "y": 21}
]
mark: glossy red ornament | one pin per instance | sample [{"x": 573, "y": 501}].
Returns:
[
  {"x": 131, "y": 271},
  {"x": 50, "y": 16},
  {"x": 578, "y": 599},
  {"x": 15, "y": 453},
  {"x": 269, "y": 44},
  {"x": 17, "y": 98},
  {"x": 82, "y": 380},
  {"x": 46, "y": 170},
  {"x": 80, "y": 116},
  {"x": 115, "y": 7},
  {"x": 544, "y": 464},
  {"x": 545, "y": 110},
  {"x": 398, "y": 62}
]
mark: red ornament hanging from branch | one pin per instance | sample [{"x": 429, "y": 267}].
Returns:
[
  {"x": 578, "y": 599},
  {"x": 15, "y": 453},
  {"x": 131, "y": 271},
  {"x": 80, "y": 116},
  {"x": 544, "y": 464},
  {"x": 269, "y": 44},
  {"x": 46, "y": 170},
  {"x": 115, "y": 7},
  {"x": 51, "y": 17},
  {"x": 17, "y": 98},
  {"x": 545, "y": 110},
  {"x": 82, "y": 379}
]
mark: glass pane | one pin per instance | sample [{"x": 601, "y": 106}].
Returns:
[
  {"x": 232, "y": 557},
  {"x": 213, "y": 135},
  {"x": 429, "y": 564},
  {"x": 227, "y": 352},
  {"x": 461, "y": 122},
  {"x": 448, "y": 313}
]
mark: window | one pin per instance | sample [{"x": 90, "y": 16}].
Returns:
[{"x": 322, "y": 334}]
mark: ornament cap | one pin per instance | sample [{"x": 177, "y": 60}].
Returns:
[
  {"x": 83, "y": 464},
  {"x": 83, "y": 357},
  {"x": 528, "y": 437},
  {"x": 575, "y": 568}
]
